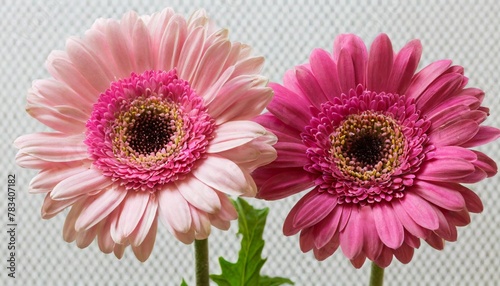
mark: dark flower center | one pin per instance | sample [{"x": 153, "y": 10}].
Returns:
[
  {"x": 367, "y": 145},
  {"x": 150, "y": 133},
  {"x": 365, "y": 148}
]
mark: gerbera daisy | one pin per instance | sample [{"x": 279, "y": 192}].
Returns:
[
  {"x": 151, "y": 119},
  {"x": 383, "y": 148}
]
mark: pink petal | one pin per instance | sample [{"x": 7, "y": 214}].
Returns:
[
  {"x": 289, "y": 224},
  {"x": 69, "y": 232},
  {"x": 449, "y": 169},
  {"x": 404, "y": 253},
  {"x": 201, "y": 223},
  {"x": 385, "y": 257},
  {"x": 99, "y": 206},
  {"x": 356, "y": 48},
  {"x": 325, "y": 71},
  {"x": 118, "y": 250},
  {"x": 51, "y": 208},
  {"x": 284, "y": 183},
  {"x": 310, "y": 87},
  {"x": 86, "y": 182},
  {"x": 420, "y": 210},
  {"x": 142, "y": 46},
  {"x": 372, "y": 245},
  {"x": 144, "y": 225},
  {"x": 446, "y": 152},
  {"x": 456, "y": 133},
  {"x": 120, "y": 49},
  {"x": 191, "y": 53},
  {"x": 222, "y": 175},
  {"x": 445, "y": 230},
  {"x": 47, "y": 179},
  {"x": 314, "y": 209},
  {"x": 425, "y": 77},
  {"x": 484, "y": 135},
  {"x": 326, "y": 251},
  {"x": 485, "y": 163},
  {"x": 442, "y": 194},
  {"x": 54, "y": 147},
  {"x": 143, "y": 251},
  {"x": 198, "y": 194},
  {"x": 104, "y": 239},
  {"x": 306, "y": 240},
  {"x": 389, "y": 228},
  {"x": 327, "y": 228},
  {"x": 233, "y": 134},
  {"x": 210, "y": 65},
  {"x": 472, "y": 200},
  {"x": 408, "y": 223},
  {"x": 54, "y": 119},
  {"x": 289, "y": 107},
  {"x": 173, "y": 209},
  {"x": 435, "y": 241},
  {"x": 88, "y": 64},
  {"x": 171, "y": 41},
  {"x": 85, "y": 238},
  {"x": 404, "y": 67},
  {"x": 132, "y": 211},
  {"x": 380, "y": 62},
  {"x": 351, "y": 238},
  {"x": 440, "y": 90},
  {"x": 346, "y": 71}
]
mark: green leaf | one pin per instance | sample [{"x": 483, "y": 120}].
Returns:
[
  {"x": 246, "y": 271},
  {"x": 183, "y": 283},
  {"x": 274, "y": 281}
]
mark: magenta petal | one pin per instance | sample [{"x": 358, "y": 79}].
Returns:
[
  {"x": 306, "y": 239},
  {"x": 404, "y": 67},
  {"x": 404, "y": 253},
  {"x": 289, "y": 224},
  {"x": 289, "y": 107},
  {"x": 326, "y": 229},
  {"x": 408, "y": 223},
  {"x": 356, "y": 48},
  {"x": 351, "y": 238},
  {"x": 389, "y": 228},
  {"x": 327, "y": 250},
  {"x": 285, "y": 183},
  {"x": 325, "y": 71},
  {"x": 442, "y": 194},
  {"x": 440, "y": 90},
  {"x": 372, "y": 245},
  {"x": 445, "y": 152},
  {"x": 449, "y": 169},
  {"x": 380, "y": 62},
  {"x": 346, "y": 71},
  {"x": 316, "y": 208},
  {"x": 456, "y": 133},
  {"x": 425, "y": 77},
  {"x": 485, "y": 163},
  {"x": 472, "y": 200},
  {"x": 484, "y": 135},
  {"x": 420, "y": 210},
  {"x": 310, "y": 86},
  {"x": 435, "y": 241}
]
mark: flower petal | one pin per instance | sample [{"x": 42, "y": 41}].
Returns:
[
  {"x": 380, "y": 62},
  {"x": 389, "y": 228},
  {"x": 283, "y": 183},
  {"x": 442, "y": 194},
  {"x": 229, "y": 178},
  {"x": 173, "y": 209},
  {"x": 99, "y": 206},
  {"x": 404, "y": 67},
  {"x": 53, "y": 147},
  {"x": 86, "y": 182},
  {"x": 325, "y": 71},
  {"x": 351, "y": 238},
  {"x": 449, "y": 169},
  {"x": 314, "y": 209},
  {"x": 144, "y": 226},
  {"x": 143, "y": 251},
  {"x": 233, "y": 134},
  {"x": 199, "y": 194},
  {"x": 131, "y": 212},
  {"x": 420, "y": 211}
]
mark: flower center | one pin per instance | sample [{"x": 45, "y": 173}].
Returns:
[
  {"x": 367, "y": 145},
  {"x": 148, "y": 130}
]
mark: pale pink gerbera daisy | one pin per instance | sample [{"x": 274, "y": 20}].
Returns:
[
  {"x": 151, "y": 118},
  {"x": 384, "y": 149}
]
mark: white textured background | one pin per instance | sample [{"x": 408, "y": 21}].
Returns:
[{"x": 284, "y": 32}]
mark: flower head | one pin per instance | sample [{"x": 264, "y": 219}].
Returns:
[
  {"x": 383, "y": 148},
  {"x": 151, "y": 119}
]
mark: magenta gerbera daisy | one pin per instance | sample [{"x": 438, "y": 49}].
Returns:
[
  {"x": 151, "y": 119},
  {"x": 383, "y": 148}
]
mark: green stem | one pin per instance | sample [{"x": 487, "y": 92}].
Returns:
[
  {"x": 201, "y": 262},
  {"x": 377, "y": 275}
]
